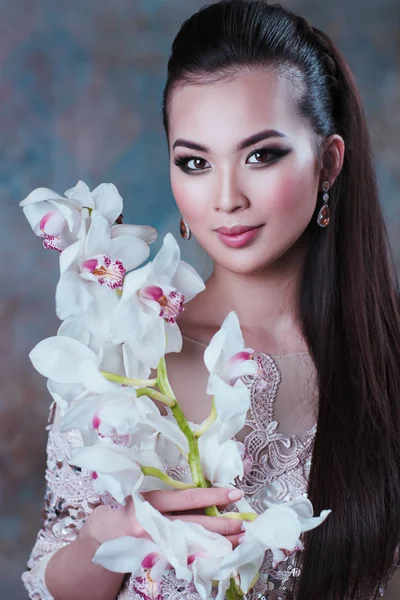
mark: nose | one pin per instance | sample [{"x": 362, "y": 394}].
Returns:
[{"x": 229, "y": 196}]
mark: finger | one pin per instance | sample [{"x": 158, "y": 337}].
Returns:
[
  {"x": 216, "y": 524},
  {"x": 234, "y": 539},
  {"x": 179, "y": 500}
]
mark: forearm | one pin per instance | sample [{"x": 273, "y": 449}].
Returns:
[{"x": 72, "y": 575}]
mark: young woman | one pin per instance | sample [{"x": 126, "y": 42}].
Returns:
[{"x": 271, "y": 169}]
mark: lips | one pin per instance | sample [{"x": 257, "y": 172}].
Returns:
[
  {"x": 236, "y": 229},
  {"x": 238, "y": 236}
]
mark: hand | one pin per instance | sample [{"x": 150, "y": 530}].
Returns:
[
  {"x": 106, "y": 523},
  {"x": 187, "y": 504}
]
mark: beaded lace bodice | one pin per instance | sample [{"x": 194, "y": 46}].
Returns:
[{"x": 276, "y": 467}]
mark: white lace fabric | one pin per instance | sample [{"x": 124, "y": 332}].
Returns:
[{"x": 277, "y": 457}]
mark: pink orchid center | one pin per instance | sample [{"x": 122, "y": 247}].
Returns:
[
  {"x": 192, "y": 557},
  {"x": 150, "y": 560},
  {"x": 107, "y": 272},
  {"x": 51, "y": 226},
  {"x": 234, "y": 362},
  {"x": 171, "y": 302},
  {"x": 96, "y": 422},
  {"x": 240, "y": 357}
]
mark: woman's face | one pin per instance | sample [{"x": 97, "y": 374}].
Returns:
[{"x": 222, "y": 178}]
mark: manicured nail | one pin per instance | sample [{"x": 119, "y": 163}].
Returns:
[
  {"x": 241, "y": 539},
  {"x": 235, "y": 495}
]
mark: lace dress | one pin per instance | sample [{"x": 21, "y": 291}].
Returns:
[{"x": 277, "y": 464}]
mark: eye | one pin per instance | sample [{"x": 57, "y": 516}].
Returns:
[
  {"x": 183, "y": 163},
  {"x": 266, "y": 155}
]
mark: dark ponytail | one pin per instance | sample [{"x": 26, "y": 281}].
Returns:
[{"x": 349, "y": 295}]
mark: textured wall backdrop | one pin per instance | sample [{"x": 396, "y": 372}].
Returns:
[{"x": 80, "y": 91}]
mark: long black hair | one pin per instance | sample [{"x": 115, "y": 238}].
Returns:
[{"x": 348, "y": 303}]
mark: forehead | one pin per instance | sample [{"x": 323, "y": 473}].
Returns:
[{"x": 220, "y": 113}]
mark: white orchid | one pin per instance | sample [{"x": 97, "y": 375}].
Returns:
[
  {"x": 58, "y": 218},
  {"x": 221, "y": 462},
  {"x": 116, "y": 468},
  {"x": 112, "y": 413},
  {"x": 152, "y": 299},
  {"x": 67, "y": 361},
  {"x": 174, "y": 544},
  {"x": 280, "y": 526},
  {"x": 227, "y": 359},
  {"x": 95, "y": 259},
  {"x": 93, "y": 330}
]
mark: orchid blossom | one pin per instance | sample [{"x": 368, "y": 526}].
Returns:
[
  {"x": 95, "y": 259},
  {"x": 174, "y": 544},
  {"x": 58, "y": 218},
  {"x": 152, "y": 299},
  {"x": 227, "y": 360}
]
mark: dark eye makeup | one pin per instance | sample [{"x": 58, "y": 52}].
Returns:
[{"x": 271, "y": 156}]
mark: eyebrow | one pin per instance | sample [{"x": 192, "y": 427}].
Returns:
[{"x": 249, "y": 141}]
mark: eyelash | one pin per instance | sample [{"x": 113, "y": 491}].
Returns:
[{"x": 181, "y": 161}]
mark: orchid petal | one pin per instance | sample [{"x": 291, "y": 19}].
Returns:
[
  {"x": 68, "y": 256},
  {"x": 124, "y": 554},
  {"x": 174, "y": 338},
  {"x": 214, "y": 350},
  {"x": 72, "y": 297},
  {"x": 105, "y": 458},
  {"x": 92, "y": 379},
  {"x": 277, "y": 527},
  {"x": 108, "y": 201},
  {"x": 187, "y": 281},
  {"x": 166, "y": 260},
  {"x": 58, "y": 358},
  {"x": 144, "y": 232},
  {"x": 72, "y": 327},
  {"x": 131, "y": 251},
  {"x": 232, "y": 405},
  {"x": 80, "y": 195},
  {"x": 98, "y": 237}
]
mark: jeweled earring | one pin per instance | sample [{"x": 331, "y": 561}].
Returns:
[
  {"x": 325, "y": 212},
  {"x": 184, "y": 228}
]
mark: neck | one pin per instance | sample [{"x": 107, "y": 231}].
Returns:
[{"x": 266, "y": 301}]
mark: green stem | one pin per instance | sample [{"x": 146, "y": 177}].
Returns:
[
  {"x": 233, "y": 592},
  {"x": 194, "y": 454},
  {"x": 208, "y": 422},
  {"x": 128, "y": 380},
  {"x": 167, "y": 479},
  {"x": 155, "y": 395},
  {"x": 244, "y": 516}
]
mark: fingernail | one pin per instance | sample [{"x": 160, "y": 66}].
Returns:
[
  {"x": 235, "y": 495},
  {"x": 243, "y": 528},
  {"x": 241, "y": 539}
]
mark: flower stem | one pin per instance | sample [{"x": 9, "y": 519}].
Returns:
[
  {"x": 208, "y": 422},
  {"x": 244, "y": 516},
  {"x": 155, "y": 395},
  {"x": 183, "y": 424},
  {"x": 233, "y": 592},
  {"x": 128, "y": 380},
  {"x": 179, "y": 485}
]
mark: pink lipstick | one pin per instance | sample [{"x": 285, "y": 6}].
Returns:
[{"x": 238, "y": 235}]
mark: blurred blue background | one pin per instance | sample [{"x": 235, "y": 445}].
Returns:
[{"x": 80, "y": 89}]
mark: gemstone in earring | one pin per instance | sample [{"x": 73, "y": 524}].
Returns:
[
  {"x": 324, "y": 216},
  {"x": 184, "y": 229}
]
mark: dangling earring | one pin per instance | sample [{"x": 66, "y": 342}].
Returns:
[
  {"x": 325, "y": 212},
  {"x": 184, "y": 228}
]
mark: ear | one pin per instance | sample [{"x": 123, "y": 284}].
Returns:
[{"x": 332, "y": 159}]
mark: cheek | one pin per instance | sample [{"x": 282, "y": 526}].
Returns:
[
  {"x": 189, "y": 193},
  {"x": 291, "y": 195}
]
